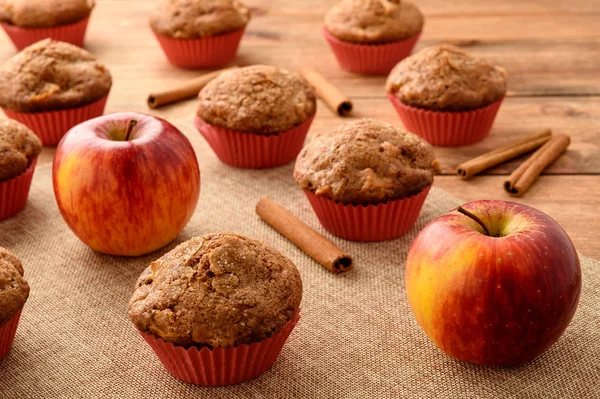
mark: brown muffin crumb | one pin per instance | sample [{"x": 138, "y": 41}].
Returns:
[
  {"x": 373, "y": 21},
  {"x": 366, "y": 162},
  {"x": 257, "y": 99},
  {"x": 18, "y": 146},
  {"x": 189, "y": 19},
  {"x": 14, "y": 290},
  {"x": 44, "y": 13},
  {"x": 218, "y": 290},
  {"x": 52, "y": 75},
  {"x": 446, "y": 78}
]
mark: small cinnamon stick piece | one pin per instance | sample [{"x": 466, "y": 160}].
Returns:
[
  {"x": 314, "y": 244},
  {"x": 524, "y": 176},
  {"x": 184, "y": 91},
  {"x": 335, "y": 100},
  {"x": 503, "y": 154}
]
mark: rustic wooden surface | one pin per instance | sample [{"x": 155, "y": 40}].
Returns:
[{"x": 550, "y": 48}]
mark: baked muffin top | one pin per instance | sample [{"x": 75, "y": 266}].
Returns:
[
  {"x": 373, "y": 21},
  {"x": 366, "y": 162},
  {"x": 217, "y": 290},
  {"x": 446, "y": 78},
  {"x": 14, "y": 290},
  {"x": 18, "y": 146},
  {"x": 189, "y": 19},
  {"x": 44, "y": 13},
  {"x": 51, "y": 75},
  {"x": 257, "y": 99}
]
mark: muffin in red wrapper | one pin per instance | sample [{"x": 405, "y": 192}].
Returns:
[
  {"x": 50, "y": 110},
  {"x": 247, "y": 150},
  {"x": 14, "y": 292},
  {"x": 217, "y": 309},
  {"x": 199, "y": 33},
  {"x": 61, "y": 20},
  {"x": 447, "y": 128},
  {"x": 367, "y": 180},
  {"x": 447, "y": 96},
  {"x": 378, "y": 222},
  {"x": 371, "y": 36},
  {"x": 221, "y": 366},
  {"x": 20, "y": 148},
  {"x": 257, "y": 116}
]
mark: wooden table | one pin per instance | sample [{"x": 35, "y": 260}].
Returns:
[{"x": 550, "y": 49}]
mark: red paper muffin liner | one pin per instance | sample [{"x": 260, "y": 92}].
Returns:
[
  {"x": 7, "y": 334},
  {"x": 221, "y": 366},
  {"x": 51, "y": 126},
  {"x": 205, "y": 52},
  {"x": 379, "y": 222},
  {"x": 71, "y": 33},
  {"x": 14, "y": 192},
  {"x": 256, "y": 151},
  {"x": 371, "y": 59},
  {"x": 450, "y": 129}
]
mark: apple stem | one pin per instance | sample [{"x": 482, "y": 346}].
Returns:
[
  {"x": 130, "y": 127},
  {"x": 474, "y": 217}
]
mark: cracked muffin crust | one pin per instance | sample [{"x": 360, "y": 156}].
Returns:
[
  {"x": 14, "y": 290},
  {"x": 51, "y": 75},
  {"x": 373, "y": 21},
  {"x": 366, "y": 162},
  {"x": 218, "y": 290},
  {"x": 191, "y": 19},
  {"x": 257, "y": 99},
  {"x": 446, "y": 78},
  {"x": 18, "y": 146},
  {"x": 44, "y": 13}
]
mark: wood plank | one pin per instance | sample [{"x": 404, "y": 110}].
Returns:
[{"x": 571, "y": 200}]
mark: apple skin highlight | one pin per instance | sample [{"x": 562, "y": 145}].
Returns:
[
  {"x": 496, "y": 300},
  {"x": 121, "y": 197}
]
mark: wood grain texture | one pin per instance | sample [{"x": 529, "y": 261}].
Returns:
[{"x": 551, "y": 50}]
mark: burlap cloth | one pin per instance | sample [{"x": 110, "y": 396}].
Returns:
[{"x": 357, "y": 337}]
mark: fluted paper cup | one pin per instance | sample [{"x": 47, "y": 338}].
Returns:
[
  {"x": 7, "y": 334},
  {"x": 205, "y": 52},
  {"x": 255, "y": 151},
  {"x": 71, "y": 33},
  {"x": 14, "y": 192},
  {"x": 221, "y": 366},
  {"x": 380, "y": 222},
  {"x": 370, "y": 59},
  {"x": 447, "y": 128},
  {"x": 51, "y": 126}
]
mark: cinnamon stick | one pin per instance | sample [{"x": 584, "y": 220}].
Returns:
[
  {"x": 503, "y": 154},
  {"x": 524, "y": 176},
  {"x": 317, "y": 246},
  {"x": 184, "y": 91},
  {"x": 335, "y": 100}
]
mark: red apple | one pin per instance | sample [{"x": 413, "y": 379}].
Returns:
[
  {"x": 493, "y": 283},
  {"x": 126, "y": 183}
]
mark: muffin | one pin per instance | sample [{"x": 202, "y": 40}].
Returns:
[
  {"x": 29, "y": 21},
  {"x": 14, "y": 292},
  {"x": 447, "y": 96},
  {"x": 199, "y": 33},
  {"x": 257, "y": 116},
  {"x": 217, "y": 309},
  {"x": 52, "y": 86},
  {"x": 367, "y": 180},
  {"x": 19, "y": 148},
  {"x": 371, "y": 36}
]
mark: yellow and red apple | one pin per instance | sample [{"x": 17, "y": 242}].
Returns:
[
  {"x": 126, "y": 183},
  {"x": 494, "y": 283}
]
